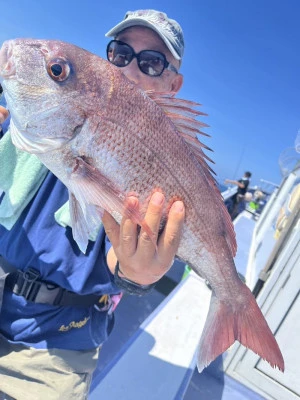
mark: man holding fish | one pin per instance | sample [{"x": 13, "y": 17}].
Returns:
[
  {"x": 119, "y": 141},
  {"x": 49, "y": 348}
]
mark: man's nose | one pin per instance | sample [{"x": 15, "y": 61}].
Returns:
[{"x": 133, "y": 73}]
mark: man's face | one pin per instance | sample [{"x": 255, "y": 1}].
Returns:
[{"x": 141, "y": 38}]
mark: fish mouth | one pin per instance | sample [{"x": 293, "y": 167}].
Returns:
[
  {"x": 7, "y": 65},
  {"x": 29, "y": 143}
]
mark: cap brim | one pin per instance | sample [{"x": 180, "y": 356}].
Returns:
[{"x": 141, "y": 22}]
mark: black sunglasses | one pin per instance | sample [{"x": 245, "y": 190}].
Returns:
[{"x": 150, "y": 62}]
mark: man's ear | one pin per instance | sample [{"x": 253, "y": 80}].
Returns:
[{"x": 177, "y": 83}]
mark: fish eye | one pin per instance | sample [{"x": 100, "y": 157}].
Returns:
[{"x": 58, "y": 69}]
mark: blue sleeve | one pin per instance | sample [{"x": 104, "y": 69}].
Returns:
[{"x": 108, "y": 245}]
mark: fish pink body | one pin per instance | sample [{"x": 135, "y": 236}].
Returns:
[{"x": 105, "y": 139}]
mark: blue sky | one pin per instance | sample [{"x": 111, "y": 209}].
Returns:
[{"x": 242, "y": 63}]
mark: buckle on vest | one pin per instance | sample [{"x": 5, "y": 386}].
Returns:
[{"x": 27, "y": 284}]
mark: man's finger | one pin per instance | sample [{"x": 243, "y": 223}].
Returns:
[
  {"x": 147, "y": 241},
  {"x": 169, "y": 241},
  {"x": 128, "y": 230},
  {"x": 112, "y": 229}
]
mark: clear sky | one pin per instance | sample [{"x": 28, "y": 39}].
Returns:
[{"x": 242, "y": 63}]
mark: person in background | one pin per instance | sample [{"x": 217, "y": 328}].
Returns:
[
  {"x": 238, "y": 200},
  {"x": 58, "y": 304}
]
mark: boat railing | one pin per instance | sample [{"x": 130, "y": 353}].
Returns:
[
  {"x": 228, "y": 193},
  {"x": 265, "y": 225}
]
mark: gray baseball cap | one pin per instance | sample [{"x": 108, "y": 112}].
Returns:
[{"x": 168, "y": 29}]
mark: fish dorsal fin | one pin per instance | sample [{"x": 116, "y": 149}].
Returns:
[{"x": 183, "y": 114}]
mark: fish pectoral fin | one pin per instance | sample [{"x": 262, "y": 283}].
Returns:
[
  {"x": 85, "y": 221},
  {"x": 79, "y": 223},
  {"x": 244, "y": 322},
  {"x": 91, "y": 187}
]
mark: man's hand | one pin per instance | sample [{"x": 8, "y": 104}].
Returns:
[
  {"x": 4, "y": 113},
  {"x": 139, "y": 259}
]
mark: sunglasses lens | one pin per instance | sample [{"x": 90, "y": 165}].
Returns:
[
  {"x": 119, "y": 54},
  {"x": 151, "y": 62}
]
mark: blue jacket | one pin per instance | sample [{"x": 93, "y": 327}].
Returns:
[{"x": 37, "y": 240}]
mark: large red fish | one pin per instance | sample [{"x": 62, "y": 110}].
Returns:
[{"x": 104, "y": 139}]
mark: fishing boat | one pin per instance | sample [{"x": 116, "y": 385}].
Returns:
[{"x": 152, "y": 352}]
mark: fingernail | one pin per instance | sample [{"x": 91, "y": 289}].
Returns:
[
  {"x": 178, "y": 206},
  {"x": 157, "y": 198}
]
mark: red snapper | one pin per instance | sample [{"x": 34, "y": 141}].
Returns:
[{"x": 105, "y": 139}]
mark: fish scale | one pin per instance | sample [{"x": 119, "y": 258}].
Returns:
[{"x": 105, "y": 139}]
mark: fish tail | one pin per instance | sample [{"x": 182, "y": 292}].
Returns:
[{"x": 242, "y": 321}]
